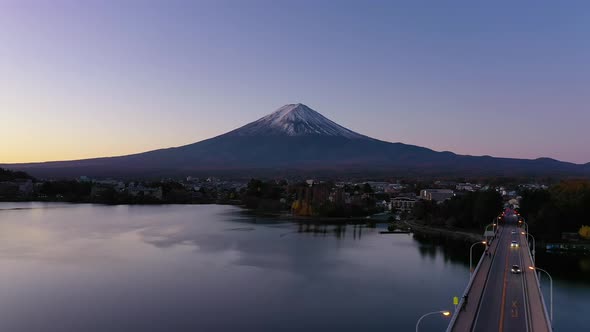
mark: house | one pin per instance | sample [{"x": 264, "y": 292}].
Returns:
[
  {"x": 438, "y": 195},
  {"x": 393, "y": 188},
  {"x": 139, "y": 189},
  {"x": 25, "y": 187},
  {"x": 403, "y": 203},
  {"x": 383, "y": 204},
  {"x": 84, "y": 179},
  {"x": 465, "y": 187},
  {"x": 378, "y": 186},
  {"x": 337, "y": 196},
  {"x": 98, "y": 191}
]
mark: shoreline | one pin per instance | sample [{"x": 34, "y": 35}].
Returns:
[
  {"x": 282, "y": 215},
  {"x": 311, "y": 219},
  {"x": 455, "y": 234}
]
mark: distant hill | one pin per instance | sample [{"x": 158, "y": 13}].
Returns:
[{"x": 298, "y": 140}]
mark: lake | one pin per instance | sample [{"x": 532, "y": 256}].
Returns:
[{"x": 215, "y": 268}]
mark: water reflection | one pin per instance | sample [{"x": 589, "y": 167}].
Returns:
[
  {"x": 339, "y": 231},
  {"x": 163, "y": 268},
  {"x": 573, "y": 268}
]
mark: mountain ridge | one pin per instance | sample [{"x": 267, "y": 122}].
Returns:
[{"x": 297, "y": 139}]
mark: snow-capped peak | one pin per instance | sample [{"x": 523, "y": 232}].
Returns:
[{"x": 295, "y": 120}]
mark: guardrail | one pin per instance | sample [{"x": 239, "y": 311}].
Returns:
[
  {"x": 547, "y": 319},
  {"x": 468, "y": 288},
  {"x": 465, "y": 292}
]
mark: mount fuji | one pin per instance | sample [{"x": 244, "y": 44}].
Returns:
[{"x": 298, "y": 140}]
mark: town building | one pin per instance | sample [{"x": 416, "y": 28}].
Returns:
[
  {"x": 438, "y": 195},
  {"x": 139, "y": 189},
  {"x": 403, "y": 203}
]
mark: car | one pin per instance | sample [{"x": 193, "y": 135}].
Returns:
[
  {"x": 513, "y": 232},
  {"x": 514, "y": 244},
  {"x": 515, "y": 269}
]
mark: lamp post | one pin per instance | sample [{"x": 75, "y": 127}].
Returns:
[
  {"x": 494, "y": 225},
  {"x": 471, "y": 255},
  {"x": 486, "y": 230},
  {"x": 525, "y": 223},
  {"x": 550, "y": 289},
  {"x": 534, "y": 246},
  {"x": 442, "y": 312}
]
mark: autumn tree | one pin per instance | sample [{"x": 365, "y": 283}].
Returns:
[{"x": 585, "y": 232}]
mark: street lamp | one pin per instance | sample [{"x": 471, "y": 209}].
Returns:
[
  {"x": 525, "y": 223},
  {"x": 471, "y": 255},
  {"x": 550, "y": 288},
  {"x": 443, "y": 312},
  {"x": 493, "y": 224},
  {"x": 534, "y": 246},
  {"x": 486, "y": 230}
]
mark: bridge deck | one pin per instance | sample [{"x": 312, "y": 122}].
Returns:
[{"x": 498, "y": 300}]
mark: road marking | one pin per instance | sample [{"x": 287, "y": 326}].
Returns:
[
  {"x": 515, "y": 309},
  {"x": 501, "y": 325}
]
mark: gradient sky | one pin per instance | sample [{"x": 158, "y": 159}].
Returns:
[{"x": 99, "y": 78}]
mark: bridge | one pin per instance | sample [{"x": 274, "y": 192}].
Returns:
[{"x": 496, "y": 299}]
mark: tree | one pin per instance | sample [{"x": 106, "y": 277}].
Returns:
[
  {"x": 425, "y": 211},
  {"x": 565, "y": 207},
  {"x": 486, "y": 207},
  {"x": 254, "y": 188},
  {"x": 8, "y": 175}
]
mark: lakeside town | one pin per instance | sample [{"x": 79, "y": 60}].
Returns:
[
  {"x": 304, "y": 197},
  {"x": 440, "y": 204}
]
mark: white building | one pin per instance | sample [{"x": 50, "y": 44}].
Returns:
[
  {"x": 403, "y": 203},
  {"x": 437, "y": 195}
]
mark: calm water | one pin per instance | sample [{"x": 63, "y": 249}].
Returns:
[{"x": 214, "y": 268}]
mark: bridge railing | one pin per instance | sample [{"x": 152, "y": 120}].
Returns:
[
  {"x": 545, "y": 312},
  {"x": 465, "y": 292}
]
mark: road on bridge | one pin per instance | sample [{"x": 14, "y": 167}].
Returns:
[{"x": 498, "y": 299}]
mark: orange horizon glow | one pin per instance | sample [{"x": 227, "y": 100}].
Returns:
[{"x": 23, "y": 154}]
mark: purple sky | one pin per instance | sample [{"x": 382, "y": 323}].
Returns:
[{"x": 97, "y": 78}]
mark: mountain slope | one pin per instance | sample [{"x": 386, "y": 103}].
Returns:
[
  {"x": 297, "y": 139},
  {"x": 295, "y": 120}
]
